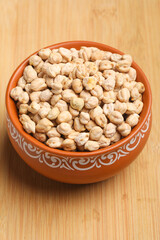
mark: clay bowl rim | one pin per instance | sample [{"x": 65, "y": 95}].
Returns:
[{"x": 68, "y": 44}]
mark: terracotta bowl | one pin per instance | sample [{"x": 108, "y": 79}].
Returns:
[{"x": 78, "y": 167}]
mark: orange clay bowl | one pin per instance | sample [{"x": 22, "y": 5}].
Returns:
[{"x": 78, "y": 167}]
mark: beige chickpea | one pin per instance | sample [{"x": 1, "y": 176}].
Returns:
[
  {"x": 107, "y": 55},
  {"x": 67, "y": 95},
  {"x": 105, "y": 65},
  {"x": 67, "y": 83},
  {"x": 64, "y": 116},
  {"x": 78, "y": 61},
  {"x": 77, "y": 85},
  {"x": 35, "y": 96},
  {"x": 116, "y": 137},
  {"x": 108, "y": 108},
  {"x": 97, "y": 91},
  {"x": 74, "y": 53},
  {"x": 67, "y": 69},
  {"x": 139, "y": 106},
  {"x": 109, "y": 97},
  {"x": 34, "y": 60},
  {"x": 69, "y": 145},
  {"x": 56, "y": 88},
  {"x": 132, "y": 119},
  {"x": 54, "y": 57},
  {"x": 29, "y": 74},
  {"x": 85, "y": 95},
  {"x": 95, "y": 112},
  {"x": 89, "y": 82},
  {"x": 78, "y": 126},
  {"x": 38, "y": 68},
  {"x": 53, "y": 133},
  {"x": 109, "y": 73},
  {"x": 91, "y": 68},
  {"x": 43, "y": 125},
  {"x": 123, "y": 66},
  {"x": 44, "y": 110},
  {"x": 38, "y": 84},
  {"x": 53, "y": 113},
  {"x": 64, "y": 128},
  {"x": 62, "y": 105},
  {"x": 134, "y": 94},
  {"x": 73, "y": 112},
  {"x": 103, "y": 141},
  {"x": 81, "y": 138},
  {"x": 23, "y": 97},
  {"x": 40, "y": 75},
  {"x": 140, "y": 86},
  {"x": 81, "y": 71},
  {"x": 15, "y": 92},
  {"x": 91, "y": 145},
  {"x": 120, "y": 107},
  {"x": 55, "y": 99},
  {"x": 109, "y": 83},
  {"x": 84, "y": 117},
  {"x": 123, "y": 95},
  {"x": 33, "y": 107},
  {"x": 23, "y": 108},
  {"x": 119, "y": 79},
  {"x": 131, "y": 108},
  {"x": 90, "y": 125},
  {"x": 55, "y": 142},
  {"x": 116, "y": 117},
  {"x": 128, "y": 58},
  {"x": 21, "y": 83},
  {"x": 35, "y": 117},
  {"x": 28, "y": 124},
  {"x": 132, "y": 74},
  {"x": 110, "y": 130},
  {"x": 73, "y": 134},
  {"x": 101, "y": 120},
  {"x": 60, "y": 79},
  {"x": 77, "y": 103},
  {"x": 97, "y": 55},
  {"x": 40, "y": 137},
  {"x": 52, "y": 70},
  {"x": 49, "y": 81},
  {"x": 116, "y": 57},
  {"x": 95, "y": 133},
  {"x": 85, "y": 53},
  {"x": 45, "y": 95},
  {"x": 66, "y": 53},
  {"x": 99, "y": 78},
  {"x": 91, "y": 103},
  {"x": 28, "y": 88},
  {"x": 124, "y": 129},
  {"x": 44, "y": 53}
]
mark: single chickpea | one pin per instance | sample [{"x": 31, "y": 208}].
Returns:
[
  {"x": 23, "y": 108},
  {"x": 91, "y": 103},
  {"x": 85, "y": 95},
  {"x": 123, "y": 95},
  {"x": 53, "y": 133},
  {"x": 116, "y": 117},
  {"x": 29, "y": 74},
  {"x": 64, "y": 116},
  {"x": 81, "y": 138},
  {"x": 116, "y": 57},
  {"x": 78, "y": 61},
  {"x": 77, "y": 85},
  {"x": 81, "y": 71},
  {"x": 35, "y": 117},
  {"x": 62, "y": 105},
  {"x": 78, "y": 126},
  {"x": 35, "y": 96},
  {"x": 108, "y": 108},
  {"x": 15, "y": 92},
  {"x": 85, "y": 53},
  {"x": 95, "y": 112},
  {"x": 53, "y": 113},
  {"x": 109, "y": 97},
  {"x": 131, "y": 108},
  {"x": 38, "y": 68},
  {"x": 54, "y": 57},
  {"x": 95, "y": 133},
  {"x": 110, "y": 130},
  {"x": 33, "y": 107},
  {"x": 23, "y": 97},
  {"x": 49, "y": 81},
  {"x": 77, "y": 103},
  {"x": 97, "y": 91},
  {"x": 28, "y": 88},
  {"x": 67, "y": 95},
  {"x": 43, "y": 111},
  {"x": 105, "y": 65},
  {"x": 139, "y": 106},
  {"x": 134, "y": 94},
  {"x": 124, "y": 129},
  {"x": 45, "y": 95},
  {"x": 128, "y": 58},
  {"x": 132, "y": 119},
  {"x": 56, "y": 88},
  {"x": 109, "y": 83},
  {"x": 21, "y": 83},
  {"x": 34, "y": 60},
  {"x": 103, "y": 141},
  {"x": 67, "y": 68},
  {"x": 116, "y": 137},
  {"x": 64, "y": 128},
  {"x": 129, "y": 85},
  {"x": 107, "y": 55},
  {"x": 55, "y": 142},
  {"x": 109, "y": 73},
  {"x": 38, "y": 84},
  {"x": 89, "y": 82},
  {"x": 99, "y": 78},
  {"x": 123, "y": 66},
  {"x": 140, "y": 86},
  {"x": 28, "y": 124},
  {"x": 40, "y": 137},
  {"x": 97, "y": 55},
  {"x": 84, "y": 117},
  {"x": 67, "y": 83},
  {"x": 55, "y": 99},
  {"x": 92, "y": 68},
  {"x": 90, "y": 125},
  {"x": 74, "y": 53},
  {"x": 66, "y": 53},
  {"x": 69, "y": 145},
  {"x": 44, "y": 53},
  {"x": 91, "y": 145},
  {"x": 73, "y": 134},
  {"x": 101, "y": 120},
  {"x": 52, "y": 70},
  {"x": 60, "y": 79},
  {"x": 119, "y": 79},
  {"x": 73, "y": 112},
  {"x": 120, "y": 107},
  {"x": 40, "y": 74},
  {"x": 43, "y": 125},
  {"x": 132, "y": 74}
]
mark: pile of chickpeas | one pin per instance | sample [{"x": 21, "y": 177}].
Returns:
[{"x": 78, "y": 100}]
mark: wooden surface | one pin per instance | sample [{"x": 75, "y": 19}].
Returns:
[{"x": 126, "y": 206}]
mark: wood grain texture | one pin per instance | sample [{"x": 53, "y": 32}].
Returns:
[{"x": 124, "y": 207}]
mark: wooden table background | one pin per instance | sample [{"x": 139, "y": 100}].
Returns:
[{"x": 126, "y": 206}]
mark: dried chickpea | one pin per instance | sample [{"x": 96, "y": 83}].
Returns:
[
  {"x": 28, "y": 124},
  {"x": 140, "y": 86},
  {"x": 134, "y": 94},
  {"x": 21, "y": 83},
  {"x": 132, "y": 74},
  {"x": 129, "y": 85},
  {"x": 120, "y": 106},
  {"x": 97, "y": 91},
  {"x": 139, "y": 106},
  {"x": 67, "y": 95},
  {"x": 29, "y": 74},
  {"x": 38, "y": 68},
  {"x": 34, "y": 60},
  {"x": 81, "y": 71},
  {"x": 109, "y": 83},
  {"x": 77, "y": 103},
  {"x": 116, "y": 137},
  {"x": 89, "y": 82},
  {"x": 23, "y": 97},
  {"x": 43, "y": 125},
  {"x": 78, "y": 126},
  {"x": 62, "y": 105},
  {"x": 73, "y": 112},
  {"x": 44, "y": 53},
  {"x": 53, "y": 113},
  {"x": 91, "y": 145},
  {"x": 115, "y": 117},
  {"x": 23, "y": 108},
  {"x": 55, "y": 99},
  {"x": 52, "y": 70},
  {"x": 38, "y": 84},
  {"x": 64, "y": 116},
  {"x": 56, "y": 88},
  {"x": 123, "y": 66},
  {"x": 95, "y": 133},
  {"x": 74, "y": 53},
  {"x": 101, "y": 120},
  {"x": 105, "y": 65},
  {"x": 128, "y": 58},
  {"x": 97, "y": 55},
  {"x": 110, "y": 130},
  {"x": 53, "y": 133},
  {"x": 124, "y": 129},
  {"x": 67, "y": 69},
  {"x": 109, "y": 73},
  {"x": 35, "y": 117},
  {"x": 85, "y": 53},
  {"x": 131, "y": 108},
  {"x": 54, "y": 57},
  {"x": 69, "y": 145},
  {"x": 108, "y": 108},
  {"x": 64, "y": 128},
  {"x": 28, "y": 88},
  {"x": 84, "y": 117},
  {"x": 66, "y": 53},
  {"x": 119, "y": 79},
  {"x": 92, "y": 68},
  {"x": 33, "y": 107},
  {"x": 77, "y": 85},
  {"x": 95, "y": 112},
  {"x": 73, "y": 134},
  {"x": 91, "y": 103},
  {"x": 15, "y": 92},
  {"x": 55, "y": 142},
  {"x": 109, "y": 97},
  {"x": 116, "y": 57},
  {"x": 90, "y": 125},
  {"x": 67, "y": 83},
  {"x": 85, "y": 95},
  {"x": 103, "y": 141},
  {"x": 123, "y": 95},
  {"x": 132, "y": 119},
  {"x": 35, "y": 96},
  {"x": 81, "y": 138},
  {"x": 44, "y": 109},
  {"x": 45, "y": 95},
  {"x": 40, "y": 137},
  {"x": 99, "y": 78}
]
